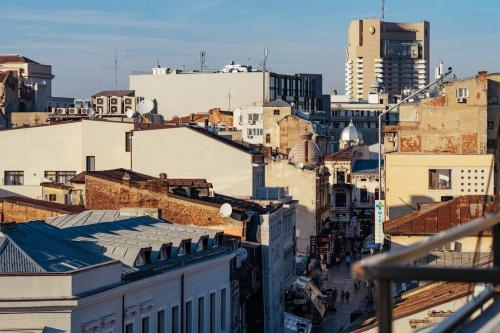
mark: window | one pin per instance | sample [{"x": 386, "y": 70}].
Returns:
[
  {"x": 254, "y": 131},
  {"x": 440, "y": 179},
  {"x": 223, "y": 309},
  {"x": 175, "y": 319},
  {"x": 90, "y": 163},
  {"x": 128, "y": 141},
  {"x": 13, "y": 178},
  {"x": 189, "y": 317},
  {"x": 340, "y": 177},
  {"x": 129, "y": 328},
  {"x": 52, "y": 197},
  {"x": 276, "y": 112},
  {"x": 60, "y": 177},
  {"x": 145, "y": 325},
  {"x": 490, "y": 143},
  {"x": 268, "y": 138},
  {"x": 160, "y": 321},
  {"x": 463, "y": 92},
  {"x": 491, "y": 124},
  {"x": 212, "y": 313},
  {"x": 363, "y": 195},
  {"x": 201, "y": 315},
  {"x": 492, "y": 100}
]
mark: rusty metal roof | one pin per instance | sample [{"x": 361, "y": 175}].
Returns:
[{"x": 42, "y": 204}]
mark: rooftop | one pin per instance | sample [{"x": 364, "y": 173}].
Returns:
[
  {"x": 365, "y": 166},
  {"x": 118, "y": 93},
  {"x": 15, "y": 58},
  {"x": 42, "y": 204},
  {"x": 91, "y": 238},
  {"x": 343, "y": 155},
  {"x": 440, "y": 216}
]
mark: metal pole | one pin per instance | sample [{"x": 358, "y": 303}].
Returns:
[
  {"x": 379, "y": 158},
  {"x": 383, "y": 309}
]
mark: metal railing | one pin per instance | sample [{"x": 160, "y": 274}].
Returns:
[{"x": 392, "y": 266}]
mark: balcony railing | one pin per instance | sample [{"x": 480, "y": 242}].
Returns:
[{"x": 393, "y": 266}]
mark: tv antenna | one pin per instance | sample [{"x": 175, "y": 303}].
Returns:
[
  {"x": 266, "y": 51},
  {"x": 115, "y": 68},
  {"x": 383, "y": 9},
  {"x": 203, "y": 58}
]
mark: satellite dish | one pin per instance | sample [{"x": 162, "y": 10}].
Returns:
[
  {"x": 91, "y": 112},
  {"x": 145, "y": 106},
  {"x": 130, "y": 113},
  {"x": 225, "y": 210}
]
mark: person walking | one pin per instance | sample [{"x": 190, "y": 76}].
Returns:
[
  {"x": 337, "y": 261},
  {"x": 355, "y": 284},
  {"x": 335, "y": 294},
  {"x": 347, "y": 295},
  {"x": 342, "y": 295},
  {"x": 347, "y": 260}
]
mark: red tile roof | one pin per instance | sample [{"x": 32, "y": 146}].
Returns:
[
  {"x": 442, "y": 215},
  {"x": 343, "y": 155},
  {"x": 15, "y": 58},
  {"x": 42, "y": 204}
]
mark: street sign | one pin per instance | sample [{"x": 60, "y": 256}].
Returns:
[{"x": 379, "y": 221}]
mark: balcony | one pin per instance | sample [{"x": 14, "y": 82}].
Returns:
[{"x": 478, "y": 314}]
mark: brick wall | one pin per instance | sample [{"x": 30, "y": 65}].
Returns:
[
  {"x": 11, "y": 212},
  {"x": 104, "y": 194}
]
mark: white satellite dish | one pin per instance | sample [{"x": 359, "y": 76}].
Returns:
[
  {"x": 145, "y": 106},
  {"x": 91, "y": 112},
  {"x": 225, "y": 210},
  {"x": 130, "y": 113}
]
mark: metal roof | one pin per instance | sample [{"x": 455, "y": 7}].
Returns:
[{"x": 72, "y": 242}]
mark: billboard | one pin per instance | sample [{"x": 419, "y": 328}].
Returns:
[{"x": 379, "y": 221}]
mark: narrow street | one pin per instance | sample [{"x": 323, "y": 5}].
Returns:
[{"x": 340, "y": 278}]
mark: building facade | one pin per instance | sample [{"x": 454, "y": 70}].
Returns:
[
  {"x": 133, "y": 275},
  {"x": 174, "y": 90},
  {"x": 395, "y": 54}
]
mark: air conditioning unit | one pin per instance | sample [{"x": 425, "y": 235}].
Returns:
[
  {"x": 84, "y": 111},
  {"x": 61, "y": 110},
  {"x": 53, "y": 110},
  {"x": 114, "y": 109},
  {"x": 250, "y": 136},
  {"x": 73, "y": 111},
  {"x": 251, "y": 122},
  {"x": 129, "y": 102},
  {"x": 461, "y": 100}
]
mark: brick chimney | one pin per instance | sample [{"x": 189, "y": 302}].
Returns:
[{"x": 126, "y": 179}]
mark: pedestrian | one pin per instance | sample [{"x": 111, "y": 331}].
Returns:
[
  {"x": 347, "y": 295},
  {"x": 335, "y": 294},
  {"x": 337, "y": 261},
  {"x": 342, "y": 295},
  {"x": 355, "y": 283},
  {"x": 347, "y": 260}
]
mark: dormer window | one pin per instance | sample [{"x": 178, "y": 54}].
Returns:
[
  {"x": 144, "y": 257},
  {"x": 202, "y": 244},
  {"x": 184, "y": 248},
  {"x": 165, "y": 252}
]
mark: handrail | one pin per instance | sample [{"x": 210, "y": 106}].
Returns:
[{"x": 361, "y": 270}]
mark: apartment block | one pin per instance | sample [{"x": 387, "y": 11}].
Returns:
[{"x": 394, "y": 54}]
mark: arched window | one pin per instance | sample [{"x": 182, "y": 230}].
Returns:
[{"x": 340, "y": 200}]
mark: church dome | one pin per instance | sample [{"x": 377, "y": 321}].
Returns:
[
  {"x": 351, "y": 133},
  {"x": 305, "y": 152}
]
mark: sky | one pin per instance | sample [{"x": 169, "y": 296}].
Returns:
[{"x": 80, "y": 38}]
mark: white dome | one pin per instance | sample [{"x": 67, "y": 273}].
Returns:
[{"x": 351, "y": 133}]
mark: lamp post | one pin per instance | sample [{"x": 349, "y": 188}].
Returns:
[{"x": 389, "y": 110}]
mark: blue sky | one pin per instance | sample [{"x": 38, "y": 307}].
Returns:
[{"x": 79, "y": 38}]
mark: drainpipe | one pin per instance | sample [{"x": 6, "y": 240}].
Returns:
[{"x": 183, "y": 327}]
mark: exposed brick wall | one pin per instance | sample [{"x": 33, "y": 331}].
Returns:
[
  {"x": 11, "y": 212},
  {"x": 105, "y": 194}
]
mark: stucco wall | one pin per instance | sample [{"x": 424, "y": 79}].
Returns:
[
  {"x": 407, "y": 177},
  {"x": 184, "y": 153}
]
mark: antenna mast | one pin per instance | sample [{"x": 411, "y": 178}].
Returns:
[
  {"x": 115, "y": 68},
  {"x": 383, "y": 9},
  {"x": 203, "y": 58},
  {"x": 264, "y": 76}
]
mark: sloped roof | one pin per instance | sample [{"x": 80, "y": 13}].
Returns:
[
  {"x": 15, "y": 58},
  {"x": 343, "y": 155},
  {"x": 42, "y": 204},
  {"x": 277, "y": 103},
  {"x": 442, "y": 216},
  {"x": 35, "y": 247},
  {"x": 416, "y": 300},
  {"x": 118, "y": 93}
]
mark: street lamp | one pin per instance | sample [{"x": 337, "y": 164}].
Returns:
[{"x": 389, "y": 110}]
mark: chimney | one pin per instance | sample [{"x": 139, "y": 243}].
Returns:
[
  {"x": 126, "y": 179},
  {"x": 163, "y": 176}
]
